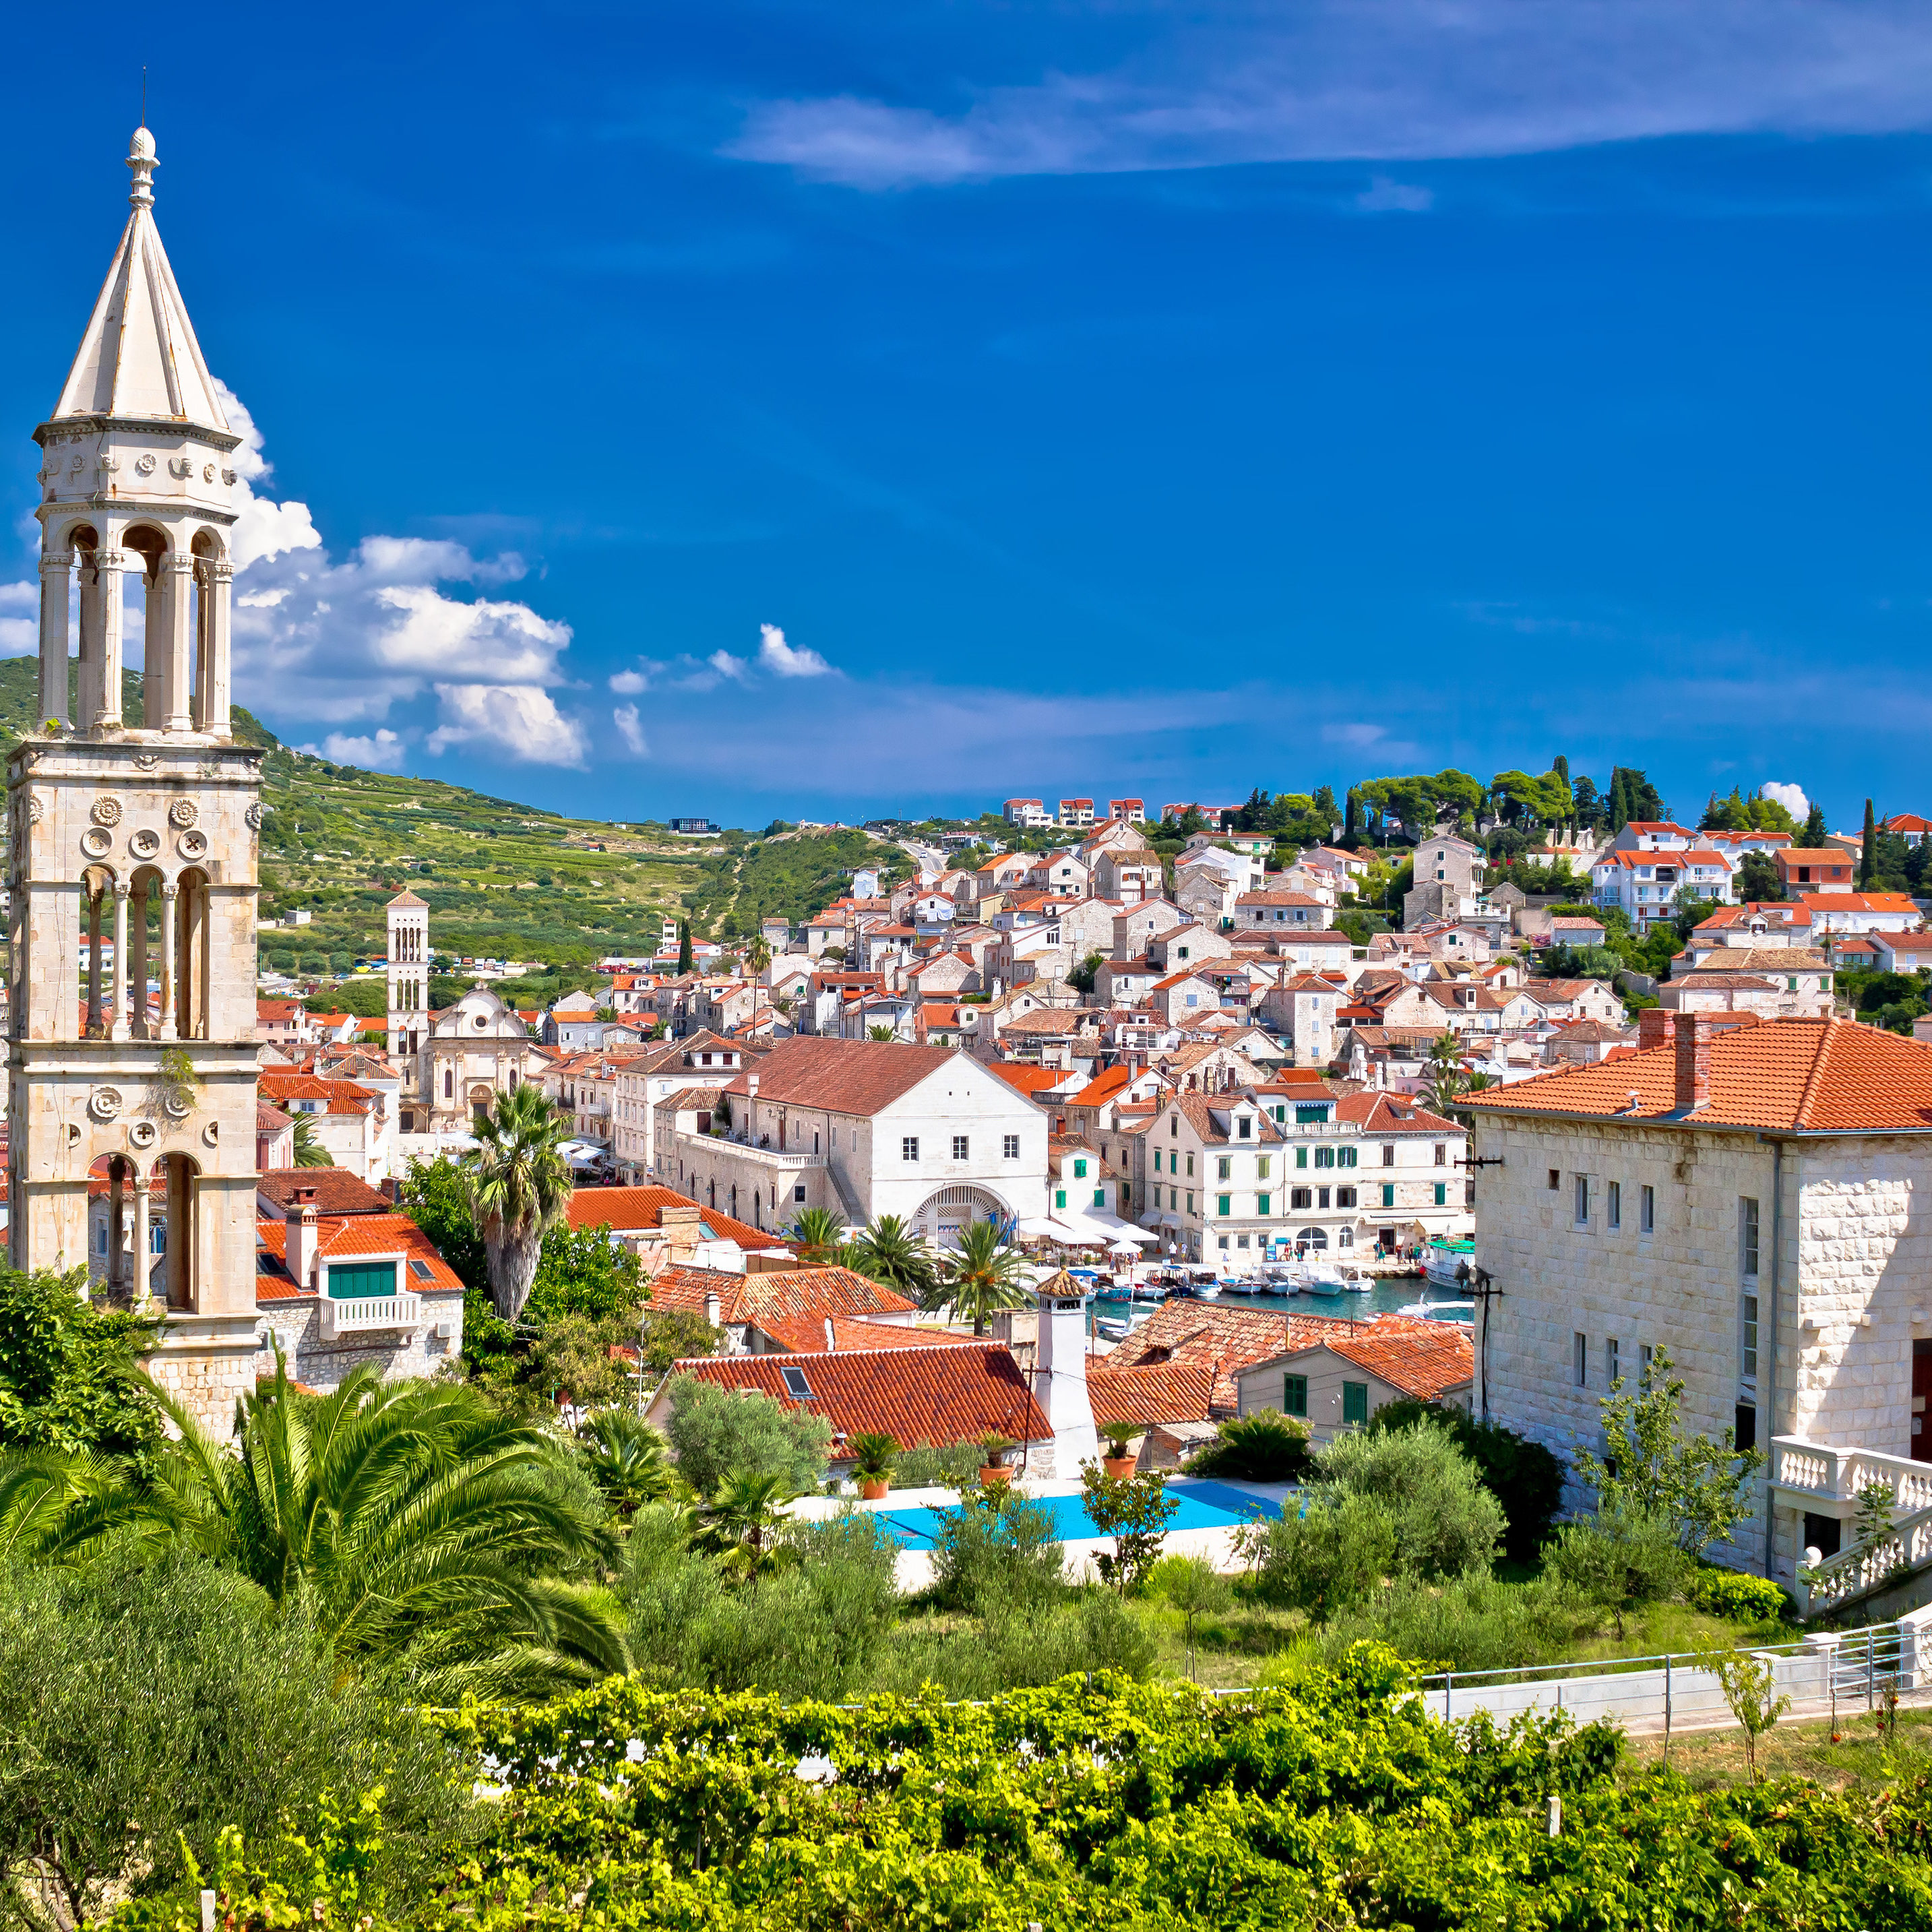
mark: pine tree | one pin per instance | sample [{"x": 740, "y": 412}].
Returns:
[
  {"x": 1814, "y": 835},
  {"x": 1868, "y": 851},
  {"x": 684, "y": 946}
]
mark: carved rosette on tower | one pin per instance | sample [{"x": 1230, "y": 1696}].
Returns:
[{"x": 131, "y": 1058}]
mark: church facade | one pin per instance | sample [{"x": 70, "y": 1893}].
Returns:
[{"x": 133, "y": 841}]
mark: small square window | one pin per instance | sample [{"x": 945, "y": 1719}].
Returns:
[
  {"x": 796, "y": 1385},
  {"x": 1555, "y": 1179},
  {"x": 960, "y": 1145},
  {"x": 1080, "y": 1170},
  {"x": 798, "y": 1191},
  {"x": 1009, "y": 1148},
  {"x": 909, "y": 1148}
]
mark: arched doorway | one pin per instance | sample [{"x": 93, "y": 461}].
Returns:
[{"x": 942, "y": 1215}]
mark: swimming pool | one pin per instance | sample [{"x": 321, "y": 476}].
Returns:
[{"x": 1203, "y": 1506}]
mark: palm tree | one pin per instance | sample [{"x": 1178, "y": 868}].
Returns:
[
  {"x": 310, "y": 1152},
  {"x": 981, "y": 1276},
  {"x": 881, "y": 1032},
  {"x": 745, "y": 1510},
  {"x": 889, "y": 1251},
  {"x": 624, "y": 1455},
  {"x": 519, "y": 1186},
  {"x": 1444, "y": 1070},
  {"x": 758, "y": 954},
  {"x": 818, "y": 1233},
  {"x": 419, "y": 1525}
]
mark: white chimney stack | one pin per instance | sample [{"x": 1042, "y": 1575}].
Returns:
[
  {"x": 302, "y": 1237},
  {"x": 831, "y": 1338},
  {"x": 712, "y": 1313},
  {"x": 1060, "y": 1375}
]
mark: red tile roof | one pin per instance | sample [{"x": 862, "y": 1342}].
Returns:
[
  {"x": 1804, "y": 1076},
  {"x": 940, "y": 1396},
  {"x": 632, "y": 1210},
  {"x": 1425, "y": 1360},
  {"x": 785, "y": 1294},
  {"x": 1392, "y": 1113},
  {"x": 848, "y": 1076},
  {"x": 336, "y": 1191},
  {"x": 1029, "y": 1079},
  {"x": 342, "y": 1238},
  {"x": 1167, "y": 1392},
  {"x": 805, "y": 1334}
]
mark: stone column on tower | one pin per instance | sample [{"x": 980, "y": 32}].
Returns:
[{"x": 56, "y": 574}]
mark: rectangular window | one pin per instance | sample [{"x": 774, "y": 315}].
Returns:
[
  {"x": 1299, "y": 1197},
  {"x": 1345, "y": 1197},
  {"x": 1224, "y": 1168},
  {"x": 362, "y": 1278},
  {"x": 1354, "y": 1404},
  {"x": 1555, "y": 1179},
  {"x": 1156, "y": 1160},
  {"x": 1747, "y": 1237},
  {"x": 1262, "y": 1203},
  {"x": 1174, "y": 1197},
  {"x": 1441, "y": 1154},
  {"x": 1010, "y": 1148},
  {"x": 1261, "y": 1167},
  {"x": 1099, "y": 1197},
  {"x": 1060, "y": 1197},
  {"x": 1080, "y": 1170},
  {"x": 1388, "y": 1153},
  {"x": 1325, "y": 1156},
  {"x": 1190, "y": 1166},
  {"x": 1582, "y": 1200},
  {"x": 1301, "y": 1156},
  {"x": 1226, "y": 1204},
  {"x": 1442, "y": 1194},
  {"x": 909, "y": 1148},
  {"x": 1612, "y": 1364},
  {"x": 1388, "y": 1194},
  {"x": 1223, "y": 1243},
  {"x": 1346, "y": 1157},
  {"x": 1646, "y": 1210},
  {"x": 1321, "y": 1197},
  {"x": 798, "y": 1191},
  {"x": 960, "y": 1145},
  {"x": 1190, "y": 1201},
  {"x": 1747, "y": 1340},
  {"x": 796, "y": 1386},
  {"x": 1247, "y": 1129},
  {"x": 1643, "y": 1358},
  {"x": 1295, "y": 1395},
  {"x": 1579, "y": 1351},
  {"x": 1613, "y": 1205}
]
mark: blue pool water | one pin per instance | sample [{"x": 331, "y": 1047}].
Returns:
[{"x": 1203, "y": 1506}]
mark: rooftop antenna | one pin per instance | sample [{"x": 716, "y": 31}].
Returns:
[{"x": 144, "y": 96}]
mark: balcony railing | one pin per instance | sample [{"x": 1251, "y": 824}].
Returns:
[
  {"x": 1827, "y": 1473},
  {"x": 359, "y": 1314},
  {"x": 787, "y": 1161}
]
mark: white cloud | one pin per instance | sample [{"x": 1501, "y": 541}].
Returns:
[
  {"x": 1385, "y": 196},
  {"x": 382, "y": 752},
  {"x": 518, "y": 721},
  {"x": 1359, "y": 735},
  {"x": 629, "y": 683},
  {"x": 783, "y": 660},
  {"x": 738, "y": 670},
  {"x": 1387, "y": 80},
  {"x": 1791, "y": 796},
  {"x": 20, "y": 619},
  {"x": 625, "y": 717},
  {"x": 322, "y": 641}
]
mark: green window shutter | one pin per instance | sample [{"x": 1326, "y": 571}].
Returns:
[
  {"x": 1224, "y": 1199},
  {"x": 1349, "y": 1154},
  {"x": 362, "y": 1278},
  {"x": 1262, "y": 1203},
  {"x": 1441, "y": 1194},
  {"x": 1060, "y": 1197},
  {"x": 1354, "y": 1402},
  {"x": 1388, "y": 1194},
  {"x": 1099, "y": 1197},
  {"x": 1301, "y": 1156},
  {"x": 1080, "y": 1170},
  {"x": 1295, "y": 1395}
]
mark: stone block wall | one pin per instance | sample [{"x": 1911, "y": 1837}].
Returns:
[{"x": 296, "y": 1326}]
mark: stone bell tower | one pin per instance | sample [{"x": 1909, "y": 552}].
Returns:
[
  {"x": 131, "y": 1058},
  {"x": 408, "y": 921}
]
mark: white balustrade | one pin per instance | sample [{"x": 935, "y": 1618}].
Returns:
[{"x": 357, "y": 1314}]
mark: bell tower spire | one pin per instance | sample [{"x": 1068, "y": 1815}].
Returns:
[{"x": 131, "y": 1058}]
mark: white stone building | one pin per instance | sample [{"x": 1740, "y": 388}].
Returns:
[
  {"x": 866, "y": 1128},
  {"x": 1757, "y": 1198}
]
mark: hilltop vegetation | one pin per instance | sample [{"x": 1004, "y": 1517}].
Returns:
[{"x": 501, "y": 880}]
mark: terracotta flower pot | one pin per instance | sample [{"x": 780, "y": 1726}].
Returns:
[
  {"x": 996, "y": 1472},
  {"x": 871, "y": 1488},
  {"x": 1119, "y": 1467}
]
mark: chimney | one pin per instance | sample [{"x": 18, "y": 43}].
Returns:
[
  {"x": 1655, "y": 1027},
  {"x": 831, "y": 1338},
  {"x": 713, "y": 1313},
  {"x": 1691, "y": 1088},
  {"x": 301, "y": 1237}
]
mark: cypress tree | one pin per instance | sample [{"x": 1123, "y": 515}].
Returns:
[
  {"x": 1560, "y": 765},
  {"x": 1619, "y": 798},
  {"x": 1352, "y": 827},
  {"x": 1814, "y": 835},
  {"x": 1868, "y": 853},
  {"x": 684, "y": 946}
]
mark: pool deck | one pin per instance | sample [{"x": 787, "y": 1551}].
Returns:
[{"x": 914, "y": 1569}]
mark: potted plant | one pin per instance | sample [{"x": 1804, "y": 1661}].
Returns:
[
  {"x": 873, "y": 1454},
  {"x": 1120, "y": 1461},
  {"x": 996, "y": 1468}
]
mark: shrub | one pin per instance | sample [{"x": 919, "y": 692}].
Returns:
[
  {"x": 1733, "y": 1594},
  {"x": 1334, "y": 1552},
  {"x": 1262, "y": 1448},
  {"x": 65, "y": 1383},
  {"x": 1617, "y": 1562},
  {"x": 1445, "y": 1521},
  {"x": 717, "y": 1433},
  {"x": 1475, "y": 1622},
  {"x": 925, "y": 1467},
  {"x": 996, "y": 1552},
  {"x": 1523, "y": 1476},
  {"x": 1013, "y": 1648}
]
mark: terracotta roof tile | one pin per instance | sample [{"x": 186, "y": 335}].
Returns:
[
  {"x": 1165, "y": 1392},
  {"x": 940, "y": 1395},
  {"x": 785, "y": 1294},
  {"x": 336, "y": 1191},
  {"x": 630, "y": 1210},
  {"x": 343, "y": 1237},
  {"x": 1425, "y": 1360}
]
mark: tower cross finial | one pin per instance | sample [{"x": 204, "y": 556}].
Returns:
[{"x": 141, "y": 162}]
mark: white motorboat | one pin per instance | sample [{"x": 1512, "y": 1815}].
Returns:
[{"x": 1450, "y": 1264}]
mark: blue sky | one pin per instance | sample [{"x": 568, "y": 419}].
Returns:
[{"x": 828, "y": 410}]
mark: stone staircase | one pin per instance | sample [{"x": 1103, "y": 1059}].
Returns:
[{"x": 1886, "y": 1574}]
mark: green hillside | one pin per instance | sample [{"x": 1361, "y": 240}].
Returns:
[{"x": 503, "y": 880}]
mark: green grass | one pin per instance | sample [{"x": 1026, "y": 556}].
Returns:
[{"x": 503, "y": 880}]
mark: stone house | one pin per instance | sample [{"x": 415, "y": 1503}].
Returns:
[
  {"x": 1336, "y": 1384},
  {"x": 1757, "y": 1198},
  {"x": 1450, "y": 872}
]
